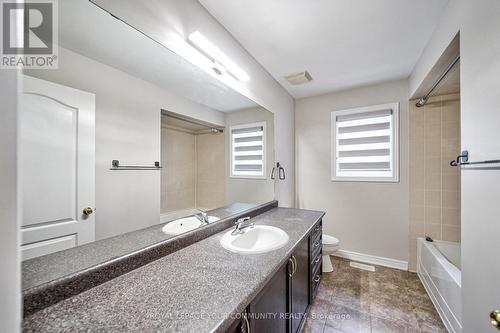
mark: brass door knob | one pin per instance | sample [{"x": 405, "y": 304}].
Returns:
[
  {"x": 495, "y": 318},
  {"x": 87, "y": 211}
]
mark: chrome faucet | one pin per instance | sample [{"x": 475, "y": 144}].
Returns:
[
  {"x": 202, "y": 216},
  {"x": 242, "y": 224}
]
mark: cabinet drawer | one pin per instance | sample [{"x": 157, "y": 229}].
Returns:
[
  {"x": 316, "y": 261},
  {"x": 317, "y": 230},
  {"x": 315, "y": 246},
  {"x": 315, "y": 281}
]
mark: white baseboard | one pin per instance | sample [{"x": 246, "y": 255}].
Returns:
[{"x": 374, "y": 260}]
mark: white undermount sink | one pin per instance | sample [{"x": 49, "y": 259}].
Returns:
[
  {"x": 254, "y": 240},
  {"x": 180, "y": 226}
]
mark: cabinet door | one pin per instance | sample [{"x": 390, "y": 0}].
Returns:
[
  {"x": 236, "y": 327},
  {"x": 271, "y": 300},
  {"x": 299, "y": 291}
]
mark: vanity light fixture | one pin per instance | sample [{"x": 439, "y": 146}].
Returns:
[{"x": 221, "y": 63}]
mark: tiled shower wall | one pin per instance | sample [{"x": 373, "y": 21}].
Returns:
[
  {"x": 434, "y": 184},
  {"x": 193, "y": 173},
  {"x": 178, "y": 175},
  {"x": 210, "y": 171}
]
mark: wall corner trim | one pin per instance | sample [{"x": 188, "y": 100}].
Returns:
[{"x": 371, "y": 259}]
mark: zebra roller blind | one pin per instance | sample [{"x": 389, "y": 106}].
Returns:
[
  {"x": 248, "y": 151},
  {"x": 365, "y": 143}
]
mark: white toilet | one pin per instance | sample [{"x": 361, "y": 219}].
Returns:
[{"x": 330, "y": 245}]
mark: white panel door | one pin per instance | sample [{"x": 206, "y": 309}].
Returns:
[{"x": 57, "y": 166}]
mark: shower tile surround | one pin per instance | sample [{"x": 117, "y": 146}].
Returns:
[
  {"x": 194, "y": 170},
  {"x": 178, "y": 175},
  {"x": 210, "y": 170},
  {"x": 434, "y": 185}
]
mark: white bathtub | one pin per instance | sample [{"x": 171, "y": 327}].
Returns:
[{"x": 438, "y": 266}]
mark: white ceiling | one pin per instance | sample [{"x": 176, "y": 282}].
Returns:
[
  {"x": 342, "y": 43},
  {"x": 90, "y": 31}
]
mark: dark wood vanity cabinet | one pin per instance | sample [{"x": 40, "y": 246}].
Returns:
[
  {"x": 283, "y": 304},
  {"x": 266, "y": 313},
  {"x": 298, "y": 285}
]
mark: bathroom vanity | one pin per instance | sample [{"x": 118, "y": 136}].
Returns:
[
  {"x": 204, "y": 287},
  {"x": 289, "y": 292},
  {"x": 57, "y": 276}
]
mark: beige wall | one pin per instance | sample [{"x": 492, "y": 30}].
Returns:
[
  {"x": 434, "y": 184},
  {"x": 210, "y": 171},
  {"x": 252, "y": 190},
  {"x": 368, "y": 218}
]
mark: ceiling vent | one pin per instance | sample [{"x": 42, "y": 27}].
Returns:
[{"x": 299, "y": 78}]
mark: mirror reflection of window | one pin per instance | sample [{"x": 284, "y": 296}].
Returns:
[
  {"x": 248, "y": 152},
  {"x": 248, "y": 176}
]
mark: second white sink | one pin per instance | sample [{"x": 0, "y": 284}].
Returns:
[{"x": 259, "y": 239}]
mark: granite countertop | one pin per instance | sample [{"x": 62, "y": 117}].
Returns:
[
  {"x": 40, "y": 270},
  {"x": 199, "y": 288}
]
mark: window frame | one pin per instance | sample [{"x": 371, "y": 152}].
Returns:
[
  {"x": 264, "y": 150},
  {"x": 394, "y": 140}
]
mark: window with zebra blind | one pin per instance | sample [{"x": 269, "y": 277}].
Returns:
[
  {"x": 248, "y": 150},
  {"x": 365, "y": 144}
]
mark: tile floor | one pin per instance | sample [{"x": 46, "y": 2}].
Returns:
[{"x": 351, "y": 300}]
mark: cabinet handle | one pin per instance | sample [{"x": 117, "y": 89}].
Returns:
[
  {"x": 317, "y": 278},
  {"x": 291, "y": 266},
  {"x": 294, "y": 265},
  {"x": 247, "y": 324}
]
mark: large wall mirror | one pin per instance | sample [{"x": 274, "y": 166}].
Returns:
[{"x": 128, "y": 144}]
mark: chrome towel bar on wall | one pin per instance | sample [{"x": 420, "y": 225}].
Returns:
[
  {"x": 463, "y": 159},
  {"x": 115, "y": 165}
]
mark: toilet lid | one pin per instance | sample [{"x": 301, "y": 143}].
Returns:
[{"x": 330, "y": 240}]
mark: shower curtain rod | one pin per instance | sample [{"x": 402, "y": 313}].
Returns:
[{"x": 423, "y": 100}]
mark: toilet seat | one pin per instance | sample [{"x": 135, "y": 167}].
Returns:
[{"x": 330, "y": 240}]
